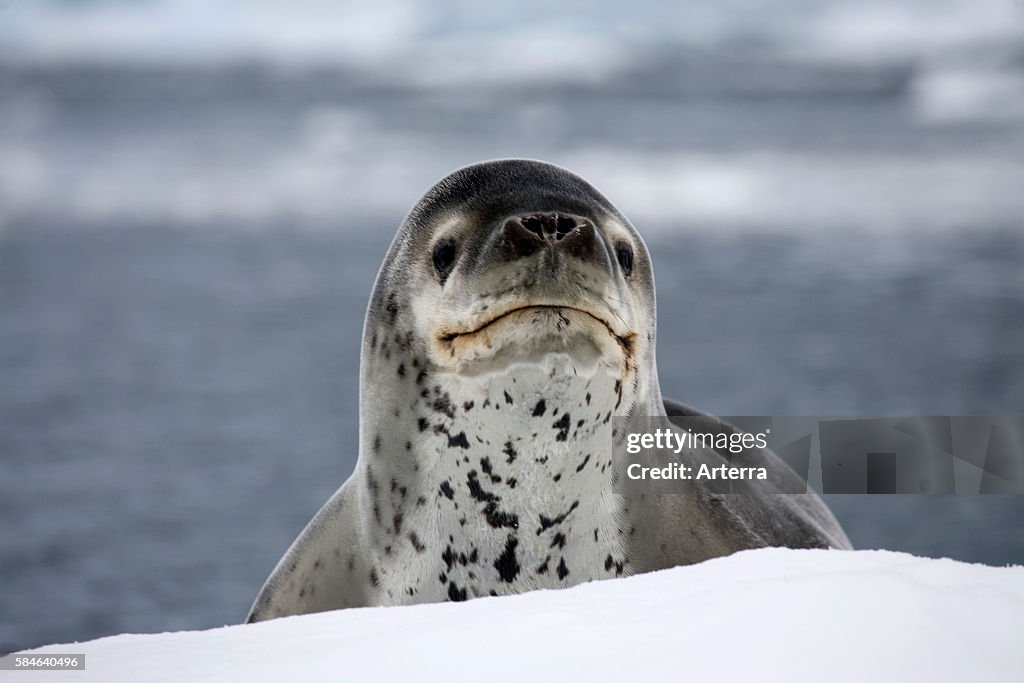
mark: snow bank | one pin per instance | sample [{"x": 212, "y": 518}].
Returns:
[{"x": 769, "y": 614}]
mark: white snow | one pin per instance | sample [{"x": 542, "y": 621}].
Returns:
[{"x": 771, "y": 614}]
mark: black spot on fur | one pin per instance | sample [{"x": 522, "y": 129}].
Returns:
[
  {"x": 376, "y": 443},
  {"x": 563, "y": 427},
  {"x": 422, "y": 424},
  {"x": 508, "y": 398},
  {"x": 449, "y": 557},
  {"x": 509, "y": 451},
  {"x": 507, "y": 564},
  {"x": 495, "y": 517},
  {"x": 543, "y": 568},
  {"x": 547, "y": 522},
  {"x": 397, "y": 522},
  {"x": 443, "y": 404},
  {"x": 374, "y": 579},
  {"x": 558, "y": 540},
  {"x": 392, "y": 308},
  {"x": 557, "y": 477},
  {"x": 420, "y": 376},
  {"x": 416, "y": 543},
  {"x": 401, "y": 369},
  {"x": 458, "y": 440},
  {"x": 563, "y": 571},
  {"x": 584, "y": 463},
  {"x": 588, "y": 398},
  {"x": 468, "y": 406},
  {"x": 539, "y": 409},
  {"x": 447, "y": 490},
  {"x": 485, "y": 465},
  {"x": 512, "y": 481},
  {"x": 456, "y": 594}
]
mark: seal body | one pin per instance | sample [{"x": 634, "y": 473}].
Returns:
[{"x": 512, "y": 318}]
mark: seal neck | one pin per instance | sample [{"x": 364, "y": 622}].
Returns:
[{"x": 514, "y": 469}]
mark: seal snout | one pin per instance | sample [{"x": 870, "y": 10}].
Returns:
[{"x": 524, "y": 235}]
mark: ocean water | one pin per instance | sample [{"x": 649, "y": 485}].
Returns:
[
  {"x": 188, "y": 238},
  {"x": 178, "y": 403}
]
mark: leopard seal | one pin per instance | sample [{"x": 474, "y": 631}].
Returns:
[{"x": 513, "y": 316}]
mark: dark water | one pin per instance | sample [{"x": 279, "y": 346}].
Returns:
[{"x": 177, "y": 403}]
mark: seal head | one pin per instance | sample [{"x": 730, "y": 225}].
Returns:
[{"x": 494, "y": 259}]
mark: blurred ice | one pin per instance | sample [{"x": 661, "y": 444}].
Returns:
[{"x": 736, "y": 113}]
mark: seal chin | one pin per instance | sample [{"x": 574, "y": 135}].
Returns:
[{"x": 530, "y": 333}]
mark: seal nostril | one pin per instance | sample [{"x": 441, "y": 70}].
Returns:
[
  {"x": 563, "y": 226},
  {"x": 518, "y": 240},
  {"x": 534, "y": 225}
]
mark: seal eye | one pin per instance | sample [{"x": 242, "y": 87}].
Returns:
[
  {"x": 444, "y": 256},
  {"x": 624, "y": 253}
]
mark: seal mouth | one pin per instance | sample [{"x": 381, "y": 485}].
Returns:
[{"x": 624, "y": 340}]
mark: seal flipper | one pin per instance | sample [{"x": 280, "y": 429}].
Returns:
[
  {"x": 682, "y": 529},
  {"x": 321, "y": 570}
]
